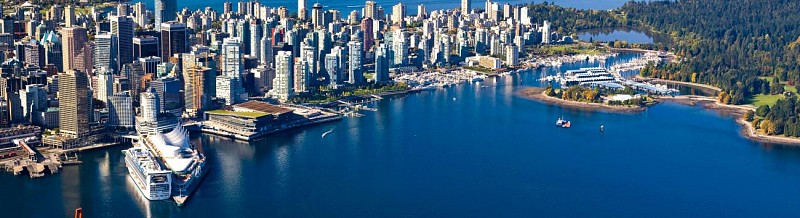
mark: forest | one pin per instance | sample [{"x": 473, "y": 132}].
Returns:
[
  {"x": 744, "y": 47},
  {"x": 732, "y": 44},
  {"x": 726, "y": 43}
]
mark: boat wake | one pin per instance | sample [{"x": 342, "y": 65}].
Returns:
[{"x": 326, "y": 133}]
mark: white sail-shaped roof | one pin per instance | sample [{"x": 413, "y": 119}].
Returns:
[{"x": 170, "y": 145}]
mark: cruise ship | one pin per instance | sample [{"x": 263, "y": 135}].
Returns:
[
  {"x": 186, "y": 164},
  {"x": 146, "y": 172}
]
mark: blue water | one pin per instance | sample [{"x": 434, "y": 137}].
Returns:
[
  {"x": 628, "y": 35},
  {"x": 350, "y": 5},
  {"x": 488, "y": 153}
]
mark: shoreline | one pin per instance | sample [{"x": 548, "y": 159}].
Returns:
[
  {"x": 703, "y": 87},
  {"x": 746, "y": 130},
  {"x": 533, "y": 93}
]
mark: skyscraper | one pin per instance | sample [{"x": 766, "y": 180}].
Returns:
[
  {"x": 76, "y": 50},
  {"x": 232, "y": 58},
  {"x": 149, "y": 107},
  {"x": 333, "y": 69},
  {"x": 227, "y": 7},
  {"x": 75, "y": 102},
  {"x": 546, "y": 32},
  {"x": 196, "y": 92},
  {"x": 33, "y": 99},
  {"x": 140, "y": 14},
  {"x": 301, "y": 9},
  {"x": 145, "y": 46},
  {"x": 366, "y": 28},
  {"x": 122, "y": 9},
  {"x": 52, "y": 50},
  {"x": 173, "y": 39},
  {"x": 134, "y": 72},
  {"x": 301, "y": 75},
  {"x": 105, "y": 85},
  {"x": 512, "y": 55},
  {"x": 282, "y": 84},
  {"x": 69, "y": 16},
  {"x": 400, "y": 48},
  {"x": 229, "y": 83},
  {"x": 317, "y": 16},
  {"x": 120, "y": 110},
  {"x": 398, "y": 14},
  {"x": 105, "y": 47},
  {"x": 165, "y": 11},
  {"x": 370, "y": 10},
  {"x": 256, "y": 33},
  {"x": 266, "y": 51},
  {"x": 466, "y": 7},
  {"x": 382, "y": 63},
  {"x": 355, "y": 65},
  {"x": 122, "y": 27},
  {"x": 244, "y": 33}
]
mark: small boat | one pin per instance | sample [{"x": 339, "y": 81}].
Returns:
[
  {"x": 326, "y": 133},
  {"x": 602, "y": 129},
  {"x": 561, "y": 122}
]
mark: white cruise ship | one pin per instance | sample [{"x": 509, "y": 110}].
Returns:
[
  {"x": 150, "y": 178},
  {"x": 180, "y": 157}
]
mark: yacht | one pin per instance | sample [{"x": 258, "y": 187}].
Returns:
[{"x": 146, "y": 172}]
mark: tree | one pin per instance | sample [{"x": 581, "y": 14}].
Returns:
[
  {"x": 748, "y": 116},
  {"x": 724, "y": 98},
  {"x": 777, "y": 89},
  {"x": 762, "y": 110},
  {"x": 550, "y": 91},
  {"x": 768, "y": 127}
]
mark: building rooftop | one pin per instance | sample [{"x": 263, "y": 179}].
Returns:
[
  {"x": 264, "y": 107},
  {"x": 238, "y": 113}
]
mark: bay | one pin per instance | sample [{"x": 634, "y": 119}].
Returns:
[{"x": 465, "y": 151}]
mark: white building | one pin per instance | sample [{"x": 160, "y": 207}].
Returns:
[
  {"x": 546, "y": 32},
  {"x": 355, "y": 65},
  {"x": 512, "y": 55},
  {"x": 282, "y": 84},
  {"x": 229, "y": 83}
]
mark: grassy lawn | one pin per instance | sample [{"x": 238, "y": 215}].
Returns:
[
  {"x": 768, "y": 100},
  {"x": 569, "y": 49}
]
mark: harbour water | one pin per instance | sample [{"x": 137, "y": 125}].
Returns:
[
  {"x": 465, "y": 151},
  {"x": 617, "y": 34}
]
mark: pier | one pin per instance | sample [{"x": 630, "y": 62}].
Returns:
[
  {"x": 254, "y": 119},
  {"x": 51, "y": 164}
]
